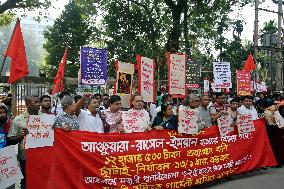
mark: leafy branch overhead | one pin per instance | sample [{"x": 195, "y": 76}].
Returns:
[{"x": 9, "y": 5}]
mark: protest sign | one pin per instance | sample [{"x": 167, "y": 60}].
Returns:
[
  {"x": 245, "y": 124},
  {"x": 243, "y": 83},
  {"x": 222, "y": 75},
  {"x": 176, "y": 74},
  {"x": 93, "y": 66},
  {"x": 135, "y": 121},
  {"x": 10, "y": 172},
  {"x": 214, "y": 88},
  {"x": 192, "y": 74},
  {"x": 225, "y": 125},
  {"x": 188, "y": 119},
  {"x": 146, "y": 81},
  {"x": 40, "y": 131},
  {"x": 206, "y": 86},
  {"x": 156, "y": 159},
  {"x": 124, "y": 82},
  {"x": 260, "y": 87}
]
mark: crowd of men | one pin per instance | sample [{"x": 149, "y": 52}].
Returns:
[{"x": 102, "y": 114}]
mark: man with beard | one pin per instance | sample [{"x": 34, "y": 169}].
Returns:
[
  {"x": 18, "y": 131},
  {"x": 45, "y": 104}
]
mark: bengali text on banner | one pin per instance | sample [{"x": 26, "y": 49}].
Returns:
[{"x": 157, "y": 159}]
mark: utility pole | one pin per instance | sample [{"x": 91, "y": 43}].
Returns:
[
  {"x": 255, "y": 36},
  {"x": 279, "y": 65}
]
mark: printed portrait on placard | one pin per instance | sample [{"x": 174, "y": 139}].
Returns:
[{"x": 124, "y": 83}]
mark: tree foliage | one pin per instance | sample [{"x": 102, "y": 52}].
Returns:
[
  {"x": 30, "y": 5},
  {"x": 153, "y": 27},
  {"x": 69, "y": 30}
]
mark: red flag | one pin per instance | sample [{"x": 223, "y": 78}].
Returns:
[
  {"x": 249, "y": 65},
  {"x": 59, "y": 78},
  {"x": 16, "y": 51}
]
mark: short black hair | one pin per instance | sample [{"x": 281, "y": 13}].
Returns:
[
  {"x": 44, "y": 96},
  {"x": 97, "y": 94},
  {"x": 248, "y": 97},
  {"x": 28, "y": 98},
  {"x": 77, "y": 98},
  {"x": 134, "y": 96},
  {"x": 164, "y": 97},
  {"x": 235, "y": 100},
  {"x": 106, "y": 95},
  {"x": 219, "y": 94},
  {"x": 164, "y": 107},
  {"x": 114, "y": 98}
]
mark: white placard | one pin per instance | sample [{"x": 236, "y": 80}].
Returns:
[
  {"x": 222, "y": 75},
  {"x": 177, "y": 74},
  {"x": 188, "y": 120},
  {"x": 224, "y": 125},
  {"x": 245, "y": 124},
  {"x": 214, "y": 89},
  {"x": 10, "y": 172},
  {"x": 147, "y": 79},
  {"x": 135, "y": 121},
  {"x": 206, "y": 86},
  {"x": 40, "y": 131}
]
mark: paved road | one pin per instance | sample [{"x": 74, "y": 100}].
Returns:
[{"x": 272, "y": 178}]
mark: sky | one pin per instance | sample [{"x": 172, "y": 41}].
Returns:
[{"x": 247, "y": 14}]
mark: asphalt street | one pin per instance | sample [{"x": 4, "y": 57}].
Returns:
[{"x": 272, "y": 178}]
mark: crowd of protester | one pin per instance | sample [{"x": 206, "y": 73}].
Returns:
[{"x": 102, "y": 114}]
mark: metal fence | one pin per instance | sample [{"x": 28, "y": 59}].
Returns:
[{"x": 26, "y": 89}]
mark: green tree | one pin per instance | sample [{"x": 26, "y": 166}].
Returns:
[
  {"x": 69, "y": 30},
  {"x": 8, "y": 8},
  {"x": 153, "y": 27},
  {"x": 9, "y": 5}
]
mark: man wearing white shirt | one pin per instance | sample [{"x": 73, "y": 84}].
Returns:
[
  {"x": 247, "y": 108},
  {"x": 138, "y": 104},
  {"x": 89, "y": 120}
]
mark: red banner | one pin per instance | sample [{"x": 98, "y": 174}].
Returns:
[
  {"x": 243, "y": 83},
  {"x": 158, "y": 159}
]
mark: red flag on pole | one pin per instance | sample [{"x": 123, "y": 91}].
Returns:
[
  {"x": 249, "y": 65},
  {"x": 16, "y": 51},
  {"x": 59, "y": 78}
]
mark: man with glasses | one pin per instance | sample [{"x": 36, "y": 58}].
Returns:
[
  {"x": 219, "y": 108},
  {"x": 193, "y": 102}
]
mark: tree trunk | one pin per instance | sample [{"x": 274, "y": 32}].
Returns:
[
  {"x": 175, "y": 33},
  {"x": 185, "y": 31}
]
